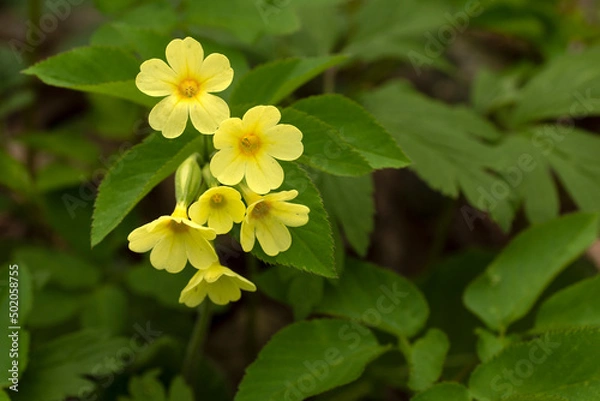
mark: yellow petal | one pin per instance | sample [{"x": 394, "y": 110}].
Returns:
[
  {"x": 247, "y": 236},
  {"x": 273, "y": 237},
  {"x": 198, "y": 250},
  {"x": 224, "y": 291},
  {"x": 284, "y": 142},
  {"x": 142, "y": 239},
  {"x": 156, "y": 78},
  {"x": 244, "y": 283},
  {"x": 263, "y": 174},
  {"x": 169, "y": 116},
  {"x": 215, "y": 73},
  {"x": 220, "y": 221},
  {"x": 229, "y": 133},
  {"x": 290, "y": 214},
  {"x": 208, "y": 113},
  {"x": 260, "y": 118},
  {"x": 282, "y": 196},
  {"x": 195, "y": 291},
  {"x": 198, "y": 211},
  {"x": 214, "y": 272},
  {"x": 169, "y": 254},
  {"x": 227, "y": 166},
  {"x": 185, "y": 56}
]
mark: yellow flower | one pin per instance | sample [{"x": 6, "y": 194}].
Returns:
[
  {"x": 221, "y": 284},
  {"x": 221, "y": 207},
  {"x": 174, "y": 239},
  {"x": 186, "y": 82},
  {"x": 268, "y": 218},
  {"x": 248, "y": 148}
]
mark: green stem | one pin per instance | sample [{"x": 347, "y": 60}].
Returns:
[
  {"x": 194, "y": 351},
  {"x": 252, "y": 264}
]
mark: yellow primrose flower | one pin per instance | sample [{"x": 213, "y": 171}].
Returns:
[
  {"x": 221, "y": 207},
  {"x": 174, "y": 239},
  {"x": 221, "y": 284},
  {"x": 248, "y": 148},
  {"x": 187, "y": 82},
  {"x": 268, "y": 218}
]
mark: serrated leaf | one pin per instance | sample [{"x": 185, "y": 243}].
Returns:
[
  {"x": 58, "y": 368},
  {"x": 138, "y": 171},
  {"x": 376, "y": 297},
  {"x": 307, "y": 358},
  {"x": 270, "y": 83},
  {"x": 558, "y": 365},
  {"x": 97, "y": 69},
  {"x": 575, "y": 306},
  {"x": 312, "y": 244},
  {"x": 572, "y": 97},
  {"x": 511, "y": 284},
  {"x": 357, "y": 218},
  {"x": 444, "y": 144},
  {"x": 444, "y": 392},
  {"x": 361, "y": 132},
  {"x": 324, "y": 148},
  {"x": 490, "y": 344},
  {"x": 426, "y": 360},
  {"x": 105, "y": 309}
]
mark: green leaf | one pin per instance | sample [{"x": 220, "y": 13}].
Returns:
[
  {"x": 312, "y": 244},
  {"x": 270, "y": 83},
  {"x": 361, "y": 132},
  {"x": 574, "y": 306},
  {"x": 59, "y": 367},
  {"x": 490, "y": 345},
  {"x": 376, "y": 297},
  {"x": 324, "y": 148},
  {"x": 180, "y": 391},
  {"x": 445, "y": 146},
  {"x": 146, "y": 388},
  {"x": 562, "y": 365},
  {"x": 53, "y": 307},
  {"x": 444, "y": 392},
  {"x": 355, "y": 217},
  {"x": 145, "y": 280},
  {"x": 97, "y": 69},
  {"x": 565, "y": 97},
  {"x": 105, "y": 309},
  {"x": 426, "y": 360},
  {"x": 308, "y": 358},
  {"x": 132, "y": 176},
  {"x": 492, "y": 91},
  {"x": 14, "y": 174},
  {"x": 516, "y": 278},
  {"x": 3, "y": 396}
]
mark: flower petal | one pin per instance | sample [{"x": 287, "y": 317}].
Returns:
[
  {"x": 169, "y": 116},
  {"x": 229, "y": 133},
  {"x": 273, "y": 237},
  {"x": 215, "y": 73},
  {"x": 228, "y": 166},
  {"x": 142, "y": 239},
  {"x": 284, "y": 142},
  {"x": 169, "y": 254},
  {"x": 198, "y": 250},
  {"x": 290, "y": 214},
  {"x": 185, "y": 56},
  {"x": 247, "y": 236},
  {"x": 198, "y": 211},
  {"x": 220, "y": 221},
  {"x": 224, "y": 291},
  {"x": 260, "y": 118},
  {"x": 156, "y": 78},
  {"x": 264, "y": 174},
  {"x": 195, "y": 291},
  {"x": 208, "y": 113}
]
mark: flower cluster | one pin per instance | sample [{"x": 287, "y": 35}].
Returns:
[{"x": 231, "y": 187}]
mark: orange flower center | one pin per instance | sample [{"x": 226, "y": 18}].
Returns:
[
  {"x": 217, "y": 201},
  {"x": 189, "y": 88},
  {"x": 260, "y": 210},
  {"x": 249, "y": 144}
]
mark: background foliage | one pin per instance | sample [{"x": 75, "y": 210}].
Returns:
[{"x": 451, "y": 166}]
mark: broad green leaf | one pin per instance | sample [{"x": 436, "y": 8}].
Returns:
[
  {"x": 361, "y": 132},
  {"x": 426, "y": 359},
  {"x": 445, "y": 146},
  {"x": 53, "y": 307},
  {"x": 62, "y": 269},
  {"x": 145, "y": 41},
  {"x": 58, "y": 175},
  {"x": 180, "y": 391},
  {"x": 112, "y": 6},
  {"x": 574, "y": 97},
  {"x": 97, "y": 69},
  {"x": 312, "y": 244},
  {"x": 308, "y": 358},
  {"x": 146, "y": 388},
  {"x": 132, "y": 176},
  {"x": 105, "y": 310},
  {"x": 444, "y": 392},
  {"x": 145, "y": 280},
  {"x": 3, "y": 396},
  {"x": 355, "y": 217},
  {"x": 562, "y": 365},
  {"x": 512, "y": 283},
  {"x": 575, "y": 306},
  {"x": 14, "y": 174},
  {"x": 376, "y": 297},
  {"x": 492, "y": 91},
  {"x": 324, "y": 148},
  {"x": 80, "y": 148},
  {"x": 61, "y": 367},
  {"x": 270, "y": 83},
  {"x": 489, "y": 344}
]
